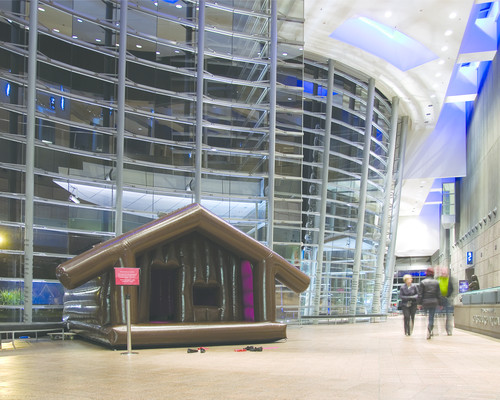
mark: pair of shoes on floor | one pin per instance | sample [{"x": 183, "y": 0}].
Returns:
[{"x": 198, "y": 350}]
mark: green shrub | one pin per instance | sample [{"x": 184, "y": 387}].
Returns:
[{"x": 11, "y": 297}]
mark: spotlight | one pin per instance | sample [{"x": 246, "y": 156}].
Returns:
[{"x": 74, "y": 199}]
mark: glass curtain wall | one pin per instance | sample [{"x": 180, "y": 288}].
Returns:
[
  {"x": 348, "y": 121},
  {"x": 76, "y": 118},
  {"x": 245, "y": 109}
]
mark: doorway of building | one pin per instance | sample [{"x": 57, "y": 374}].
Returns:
[{"x": 164, "y": 295}]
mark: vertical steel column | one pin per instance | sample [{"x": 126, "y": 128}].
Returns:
[
  {"x": 386, "y": 212},
  {"x": 389, "y": 263},
  {"x": 30, "y": 164},
  {"x": 199, "y": 101},
  {"x": 362, "y": 195},
  {"x": 120, "y": 118},
  {"x": 324, "y": 188},
  {"x": 272, "y": 123}
]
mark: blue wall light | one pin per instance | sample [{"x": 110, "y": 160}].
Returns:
[{"x": 7, "y": 89}]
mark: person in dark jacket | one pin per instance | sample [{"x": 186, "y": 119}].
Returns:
[
  {"x": 429, "y": 298},
  {"x": 408, "y": 294}
]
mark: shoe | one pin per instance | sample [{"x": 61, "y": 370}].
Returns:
[
  {"x": 449, "y": 333},
  {"x": 429, "y": 334},
  {"x": 252, "y": 348}
]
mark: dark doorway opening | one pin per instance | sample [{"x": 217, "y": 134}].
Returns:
[{"x": 164, "y": 296}]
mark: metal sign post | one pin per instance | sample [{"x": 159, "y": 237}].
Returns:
[
  {"x": 129, "y": 328},
  {"x": 127, "y": 277}
]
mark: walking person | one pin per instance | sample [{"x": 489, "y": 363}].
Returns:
[
  {"x": 429, "y": 298},
  {"x": 408, "y": 294},
  {"x": 446, "y": 288}
]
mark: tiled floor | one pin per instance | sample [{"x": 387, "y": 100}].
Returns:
[{"x": 360, "y": 361}]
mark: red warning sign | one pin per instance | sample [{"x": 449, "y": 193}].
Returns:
[{"x": 127, "y": 276}]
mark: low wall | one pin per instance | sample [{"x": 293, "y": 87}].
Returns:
[{"x": 479, "y": 318}]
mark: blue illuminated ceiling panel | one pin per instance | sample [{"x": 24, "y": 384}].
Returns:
[
  {"x": 479, "y": 46},
  {"x": 382, "y": 41}
]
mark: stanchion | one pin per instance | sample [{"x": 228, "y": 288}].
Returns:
[{"x": 129, "y": 328}]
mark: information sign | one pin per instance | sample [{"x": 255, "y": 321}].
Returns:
[{"x": 127, "y": 276}]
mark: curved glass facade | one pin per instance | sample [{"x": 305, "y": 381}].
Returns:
[{"x": 254, "y": 156}]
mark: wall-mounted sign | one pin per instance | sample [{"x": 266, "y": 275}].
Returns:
[
  {"x": 126, "y": 276},
  {"x": 470, "y": 258},
  {"x": 463, "y": 285}
]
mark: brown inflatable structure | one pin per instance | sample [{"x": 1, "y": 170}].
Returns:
[{"x": 202, "y": 282}]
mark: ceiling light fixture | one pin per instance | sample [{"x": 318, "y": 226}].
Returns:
[{"x": 453, "y": 15}]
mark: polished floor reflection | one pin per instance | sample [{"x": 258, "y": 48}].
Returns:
[{"x": 360, "y": 361}]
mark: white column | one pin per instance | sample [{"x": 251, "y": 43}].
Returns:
[
  {"x": 386, "y": 211},
  {"x": 362, "y": 195},
  {"x": 120, "y": 118},
  {"x": 30, "y": 164}
]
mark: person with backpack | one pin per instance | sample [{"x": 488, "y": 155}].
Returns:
[{"x": 429, "y": 298}]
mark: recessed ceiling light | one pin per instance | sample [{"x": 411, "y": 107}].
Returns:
[
  {"x": 444, "y": 48},
  {"x": 178, "y": 6},
  {"x": 441, "y": 62},
  {"x": 448, "y": 32},
  {"x": 453, "y": 15},
  {"x": 138, "y": 46},
  {"x": 79, "y": 20},
  {"x": 74, "y": 37},
  {"x": 55, "y": 30},
  {"x": 41, "y": 9},
  {"x": 438, "y": 74},
  {"x": 388, "y": 14},
  {"x": 285, "y": 54},
  {"x": 176, "y": 51},
  {"x": 98, "y": 40},
  {"x": 158, "y": 53},
  {"x": 433, "y": 96}
]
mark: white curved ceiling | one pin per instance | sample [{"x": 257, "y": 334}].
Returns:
[{"x": 432, "y": 94}]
